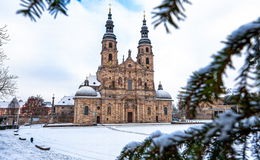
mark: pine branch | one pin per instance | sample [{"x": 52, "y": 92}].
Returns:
[
  {"x": 169, "y": 12},
  {"x": 213, "y": 141},
  {"x": 35, "y": 8}
]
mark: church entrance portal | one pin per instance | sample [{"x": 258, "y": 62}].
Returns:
[
  {"x": 129, "y": 117},
  {"x": 98, "y": 119}
]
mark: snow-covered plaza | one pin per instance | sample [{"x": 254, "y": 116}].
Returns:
[{"x": 93, "y": 142}]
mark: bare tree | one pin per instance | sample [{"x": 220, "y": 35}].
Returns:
[{"x": 7, "y": 81}]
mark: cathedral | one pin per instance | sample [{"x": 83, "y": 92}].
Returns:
[{"x": 122, "y": 92}]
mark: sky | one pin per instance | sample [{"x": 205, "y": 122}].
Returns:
[{"x": 54, "y": 56}]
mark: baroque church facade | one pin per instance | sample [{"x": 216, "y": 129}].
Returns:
[{"x": 125, "y": 92}]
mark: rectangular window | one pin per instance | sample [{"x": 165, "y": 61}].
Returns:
[
  {"x": 86, "y": 110},
  {"x": 165, "y": 109},
  {"x": 130, "y": 85}
]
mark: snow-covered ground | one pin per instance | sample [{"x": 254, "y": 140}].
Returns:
[{"x": 94, "y": 142}]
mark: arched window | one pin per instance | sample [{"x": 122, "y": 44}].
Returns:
[
  {"x": 139, "y": 82},
  {"x": 109, "y": 110},
  {"x": 147, "y": 49},
  {"x": 165, "y": 110},
  {"x": 149, "y": 110},
  {"x": 110, "y": 45},
  {"x": 110, "y": 57},
  {"x": 86, "y": 110},
  {"x": 130, "y": 85},
  {"x": 147, "y": 60},
  {"x": 120, "y": 81}
]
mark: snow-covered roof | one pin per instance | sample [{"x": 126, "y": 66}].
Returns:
[
  {"x": 4, "y": 104},
  {"x": 161, "y": 94},
  {"x": 98, "y": 96},
  {"x": 93, "y": 80},
  {"x": 66, "y": 101},
  {"x": 48, "y": 104},
  {"x": 86, "y": 91}
]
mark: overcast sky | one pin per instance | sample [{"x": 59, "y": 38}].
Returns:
[{"x": 54, "y": 56}]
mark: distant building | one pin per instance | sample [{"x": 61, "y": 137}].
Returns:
[
  {"x": 64, "y": 110},
  {"x": 3, "y": 108},
  {"x": 122, "y": 92},
  {"x": 10, "y": 110},
  {"x": 211, "y": 111}
]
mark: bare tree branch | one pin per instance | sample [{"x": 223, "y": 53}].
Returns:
[{"x": 7, "y": 81}]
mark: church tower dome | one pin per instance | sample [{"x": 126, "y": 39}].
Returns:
[
  {"x": 86, "y": 90},
  {"x": 109, "y": 35},
  {"x": 144, "y": 34},
  {"x": 161, "y": 94}
]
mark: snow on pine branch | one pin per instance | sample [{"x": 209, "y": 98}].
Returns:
[
  {"x": 220, "y": 130},
  {"x": 245, "y": 29},
  {"x": 224, "y": 124}
]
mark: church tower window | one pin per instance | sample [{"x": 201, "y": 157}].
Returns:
[
  {"x": 110, "y": 45},
  {"x": 110, "y": 57},
  {"x": 147, "y": 49},
  {"x": 147, "y": 60},
  {"x": 86, "y": 110},
  {"x": 145, "y": 86}
]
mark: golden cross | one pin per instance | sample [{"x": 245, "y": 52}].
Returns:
[{"x": 109, "y": 7}]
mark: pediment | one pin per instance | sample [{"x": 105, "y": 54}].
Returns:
[{"x": 130, "y": 63}]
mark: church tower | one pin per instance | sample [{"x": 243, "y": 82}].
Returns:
[
  {"x": 145, "y": 54},
  {"x": 109, "y": 44},
  {"x": 145, "y": 57}
]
